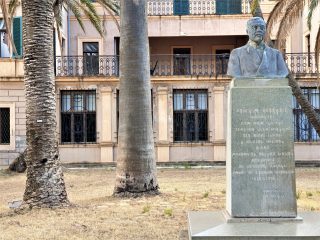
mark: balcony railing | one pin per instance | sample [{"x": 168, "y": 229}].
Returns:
[
  {"x": 197, "y": 7},
  {"x": 172, "y": 65},
  {"x": 301, "y": 63}
]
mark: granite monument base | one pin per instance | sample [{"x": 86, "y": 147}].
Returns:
[
  {"x": 215, "y": 226},
  {"x": 260, "y": 155}
]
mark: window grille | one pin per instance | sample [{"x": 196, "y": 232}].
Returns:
[
  {"x": 190, "y": 115},
  {"x": 78, "y": 116},
  {"x": 4, "y": 126},
  {"x": 303, "y": 130}
]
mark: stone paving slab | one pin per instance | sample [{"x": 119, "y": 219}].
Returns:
[{"x": 207, "y": 225}]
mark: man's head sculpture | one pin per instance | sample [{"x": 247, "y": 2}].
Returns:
[
  {"x": 256, "y": 59},
  {"x": 256, "y": 29}
]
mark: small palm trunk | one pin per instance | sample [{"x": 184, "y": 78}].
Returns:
[{"x": 136, "y": 167}]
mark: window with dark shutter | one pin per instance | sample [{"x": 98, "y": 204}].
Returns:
[
  {"x": 303, "y": 130},
  {"x": 17, "y": 34},
  {"x": 225, "y": 7},
  {"x": 190, "y": 115},
  {"x": 181, "y": 7},
  {"x": 78, "y": 117},
  {"x": 4, "y": 126}
]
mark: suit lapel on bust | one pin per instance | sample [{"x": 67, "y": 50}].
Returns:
[
  {"x": 263, "y": 67},
  {"x": 255, "y": 60}
]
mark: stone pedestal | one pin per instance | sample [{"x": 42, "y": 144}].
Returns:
[
  {"x": 215, "y": 226},
  {"x": 260, "y": 154}
]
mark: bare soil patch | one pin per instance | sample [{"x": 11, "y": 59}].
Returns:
[{"x": 98, "y": 215}]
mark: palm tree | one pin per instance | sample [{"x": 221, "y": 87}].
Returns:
[
  {"x": 136, "y": 167},
  {"x": 45, "y": 185},
  {"x": 287, "y": 12},
  {"x": 77, "y": 7}
]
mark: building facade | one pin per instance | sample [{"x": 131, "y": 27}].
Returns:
[{"x": 190, "y": 42}]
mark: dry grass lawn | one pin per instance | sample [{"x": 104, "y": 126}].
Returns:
[{"x": 98, "y": 215}]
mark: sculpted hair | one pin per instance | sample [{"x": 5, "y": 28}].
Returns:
[{"x": 255, "y": 19}]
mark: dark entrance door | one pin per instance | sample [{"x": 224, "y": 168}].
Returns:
[
  {"x": 222, "y": 59},
  {"x": 181, "y": 61},
  {"x": 91, "y": 58}
]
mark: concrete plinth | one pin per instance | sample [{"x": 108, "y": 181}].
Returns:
[
  {"x": 215, "y": 225},
  {"x": 260, "y": 155}
]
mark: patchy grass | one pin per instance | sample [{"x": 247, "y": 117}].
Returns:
[{"x": 98, "y": 215}]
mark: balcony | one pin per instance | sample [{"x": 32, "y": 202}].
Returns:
[
  {"x": 172, "y": 65},
  {"x": 197, "y": 7}
]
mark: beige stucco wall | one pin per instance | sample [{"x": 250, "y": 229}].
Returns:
[
  {"x": 105, "y": 150},
  {"x": 12, "y": 95},
  {"x": 11, "y": 68},
  {"x": 198, "y": 45},
  {"x": 296, "y": 41},
  {"x": 203, "y": 33}
]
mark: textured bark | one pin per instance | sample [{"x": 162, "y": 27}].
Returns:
[
  {"x": 136, "y": 167},
  {"x": 45, "y": 185},
  {"x": 306, "y": 107},
  {"x": 19, "y": 164}
]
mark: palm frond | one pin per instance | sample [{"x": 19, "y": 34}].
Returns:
[
  {"x": 112, "y": 8},
  {"x": 90, "y": 12},
  {"x": 275, "y": 15},
  {"x": 289, "y": 19},
  {"x": 312, "y": 7},
  {"x": 255, "y": 8},
  {"x": 57, "y": 10},
  {"x": 5, "y": 13},
  {"x": 111, "y": 5},
  {"x": 76, "y": 11},
  {"x": 13, "y": 4}
]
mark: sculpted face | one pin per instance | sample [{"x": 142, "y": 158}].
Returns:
[{"x": 256, "y": 29}]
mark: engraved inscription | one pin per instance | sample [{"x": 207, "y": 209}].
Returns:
[{"x": 261, "y": 149}]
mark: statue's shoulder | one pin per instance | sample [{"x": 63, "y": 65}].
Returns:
[
  {"x": 238, "y": 50},
  {"x": 273, "y": 50}
]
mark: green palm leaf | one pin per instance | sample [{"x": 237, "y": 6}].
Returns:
[
  {"x": 312, "y": 7},
  {"x": 289, "y": 19}
]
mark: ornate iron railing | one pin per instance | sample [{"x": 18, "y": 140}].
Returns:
[
  {"x": 301, "y": 63},
  {"x": 172, "y": 65},
  {"x": 197, "y": 7},
  {"x": 107, "y": 66}
]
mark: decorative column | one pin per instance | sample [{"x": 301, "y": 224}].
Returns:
[
  {"x": 219, "y": 126},
  {"x": 106, "y": 125},
  {"x": 163, "y": 137}
]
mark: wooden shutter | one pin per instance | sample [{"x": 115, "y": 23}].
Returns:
[
  {"x": 228, "y": 7},
  {"x": 17, "y": 34},
  {"x": 181, "y": 7}
]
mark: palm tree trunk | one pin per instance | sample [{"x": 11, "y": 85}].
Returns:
[
  {"x": 136, "y": 167},
  {"x": 308, "y": 110},
  {"x": 45, "y": 185}
]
